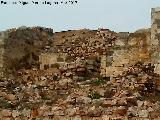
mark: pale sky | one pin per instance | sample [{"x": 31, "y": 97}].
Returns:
[{"x": 117, "y": 15}]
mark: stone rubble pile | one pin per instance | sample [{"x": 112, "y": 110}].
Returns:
[
  {"x": 76, "y": 90},
  {"x": 53, "y": 94},
  {"x": 89, "y": 46},
  {"x": 81, "y": 69}
]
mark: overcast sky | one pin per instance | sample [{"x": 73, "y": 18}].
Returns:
[{"x": 117, "y": 15}]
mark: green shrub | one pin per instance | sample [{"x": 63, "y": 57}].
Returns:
[
  {"x": 5, "y": 104},
  {"x": 99, "y": 82}
]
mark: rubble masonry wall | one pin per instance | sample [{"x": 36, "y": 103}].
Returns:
[
  {"x": 129, "y": 49},
  {"x": 50, "y": 59},
  {"x": 155, "y": 37}
]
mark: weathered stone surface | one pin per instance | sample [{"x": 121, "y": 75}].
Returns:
[
  {"x": 86, "y": 74},
  {"x": 94, "y": 112},
  {"x": 64, "y": 82},
  {"x": 139, "y": 103},
  {"x": 6, "y": 113},
  {"x": 10, "y": 97},
  {"x": 120, "y": 111},
  {"x": 143, "y": 113},
  {"x": 26, "y": 112},
  {"x": 15, "y": 113}
]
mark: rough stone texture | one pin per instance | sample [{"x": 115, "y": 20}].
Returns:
[
  {"x": 51, "y": 59},
  {"x": 115, "y": 51},
  {"x": 84, "y": 74},
  {"x": 133, "y": 49},
  {"x": 154, "y": 41}
]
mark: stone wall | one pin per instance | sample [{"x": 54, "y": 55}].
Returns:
[
  {"x": 117, "y": 51},
  {"x": 2, "y": 37},
  {"x": 129, "y": 49},
  {"x": 155, "y": 37},
  {"x": 48, "y": 60},
  {"x": 1, "y": 48}
]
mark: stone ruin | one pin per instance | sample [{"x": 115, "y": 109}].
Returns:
[
  {"x": 80, "y": 74},
  {"x": 116, "y": 51},
  {"x": 154, "y": 41},
  {"x": 21, "y": 47}
]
